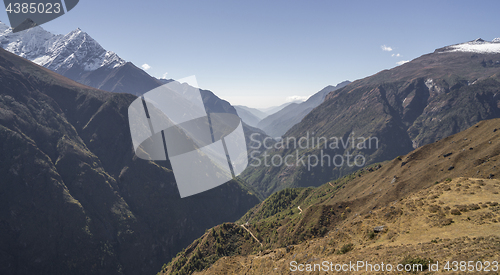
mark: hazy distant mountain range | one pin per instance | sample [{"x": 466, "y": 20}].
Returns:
[
  {"x": 273, "y": 109},
  {"x": 275, "y": 121},
  {"x": 253, "y": 116},
  {"x": 276, "y": 124},
  {"x": 249, "y": 117},
  {"x": 259, "y": 114}
]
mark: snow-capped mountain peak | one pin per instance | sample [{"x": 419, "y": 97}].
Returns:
[
  {"x": 3, "y": 27},
  {"x": 475, "y": 46},
  {"x": 59, "y": 53}
]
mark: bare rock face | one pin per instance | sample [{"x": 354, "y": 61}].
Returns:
[{"x": 379, "y": 229}]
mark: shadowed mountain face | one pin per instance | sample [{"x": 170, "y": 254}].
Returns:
[
  {"x": 422, "y": 101},
  {"x": 73, "y": 197},
  {"x": 124, "y": 79}
]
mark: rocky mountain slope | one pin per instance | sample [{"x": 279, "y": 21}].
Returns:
[
  {"x": 73, "y": 197},
  {"x": 422, "y": 101},
  {"x": 278, "y": 123},
  {"x": 440, "y": 203}
]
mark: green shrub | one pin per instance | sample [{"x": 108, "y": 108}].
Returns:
[{"x": 346, "y": 248}]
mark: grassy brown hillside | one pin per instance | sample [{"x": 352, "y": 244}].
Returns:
[
  {"x": 439, "y": 201},
  {"x": 455, "y": 220}
]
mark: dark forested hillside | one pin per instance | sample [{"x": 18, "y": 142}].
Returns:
[{"x": 73, "y": 197}]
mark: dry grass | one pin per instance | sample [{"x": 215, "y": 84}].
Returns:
[{"x": 419, "y": 226}]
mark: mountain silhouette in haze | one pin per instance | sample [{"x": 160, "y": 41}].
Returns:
[{"x": 281, "y": 121}]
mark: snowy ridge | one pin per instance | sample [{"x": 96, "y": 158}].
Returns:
[
  {"x": 58, "y": 52},
  {"x": 476, "y": 46}
]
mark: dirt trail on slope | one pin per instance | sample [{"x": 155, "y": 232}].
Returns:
[{"x": 251, "y": 234}]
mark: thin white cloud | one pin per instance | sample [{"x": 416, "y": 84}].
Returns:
[
  {"x": 386, "y": 48},
  {"x": 145, "y": 66},
  {"x": 402, "y": 62},
  {"x": 296, "y": 98},
  {"x": 164, "y": 76},
  {"x": 395, "y": 55}
]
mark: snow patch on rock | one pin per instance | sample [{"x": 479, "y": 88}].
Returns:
[{"x": 476, "y": 46}]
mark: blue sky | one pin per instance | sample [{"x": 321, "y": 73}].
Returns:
[{"x": 258, "y": 53}]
